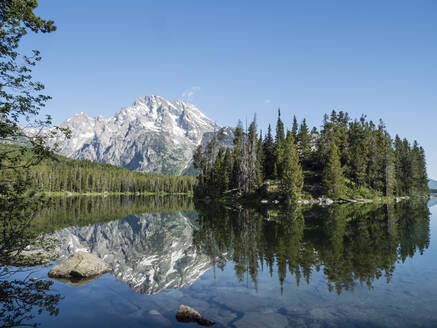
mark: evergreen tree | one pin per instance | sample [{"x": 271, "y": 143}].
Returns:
[
  {"x": 358, "y": 150},
  {"x": 279, "y": 143},
  {"x": 388, "y": 166},
  {"x": 304, "y": 143},
  {"x": 269, "y": 154},
  {"x": 333, "y": 179},
  {"x": 294, "y": 128},
  {"x": 291, "y": 178}
]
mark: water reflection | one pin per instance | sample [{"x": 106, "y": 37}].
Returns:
[
  {"x": 21, "y": 300},
  {"x": 84, "y": 210},
  {"x": 433, "y": 201},
  {"x": 350, "y": 244},
  {"x": 150, "y": 252}
]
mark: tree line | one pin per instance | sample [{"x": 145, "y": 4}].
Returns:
[
  {"x": 84, "y": 176},
  {"x": 345, "y": 158}
]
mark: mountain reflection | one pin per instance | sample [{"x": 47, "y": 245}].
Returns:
[
  {"x": 171, "y": 245},
  {"x": 150, "y": 252},
  {"x": 349, "y": 243}
]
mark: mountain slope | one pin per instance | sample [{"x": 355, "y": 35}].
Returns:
[{"x": 153, "y": 135}]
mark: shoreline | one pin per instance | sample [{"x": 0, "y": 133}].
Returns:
[
  {"x": 275, "y": 202},
  {"x": 107, "y": 193}
]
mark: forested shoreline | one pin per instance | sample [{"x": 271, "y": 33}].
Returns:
[
  {"x": 84, "y": 176},
  {"x": 65, "y": 175},
  {"x": 344, "y": 159}
]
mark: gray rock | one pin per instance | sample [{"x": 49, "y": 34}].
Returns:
[
  {"x": 80, "y": 265},
  {"x": 187, "y": 314}
]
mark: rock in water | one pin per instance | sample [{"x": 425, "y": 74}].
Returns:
[
  {"x": 187, "y": 314},
  {"x": 80, "y": 265}
]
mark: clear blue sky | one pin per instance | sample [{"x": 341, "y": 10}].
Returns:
[{"x": 244, "y": 57}]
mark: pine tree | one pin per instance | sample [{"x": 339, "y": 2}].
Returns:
[
  {"x": 291, "y": 177},
  {"x": 389, "y": 166},
  {"x": 333, "y": 179},
  {"x": 269, "y": 154},
  {"x": 279, "y": 143},
  {"x": 304, "y": 143},
  {"x": 294, "y": 128}
]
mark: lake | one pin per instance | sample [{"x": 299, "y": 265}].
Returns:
[{"x": 342, "y": 265}]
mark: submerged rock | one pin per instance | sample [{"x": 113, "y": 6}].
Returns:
[
  {"x": 80, "y": 265},
  {"x": 187, "y": 314}
]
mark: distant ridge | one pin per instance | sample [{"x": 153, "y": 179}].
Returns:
[{"x": 432, "y": 184}]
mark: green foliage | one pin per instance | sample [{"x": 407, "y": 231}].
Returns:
[
  {"x": 21, "y": 99},
  {"x": 370, "y": 159},
  {"x": 220, "y": 169},
  {"x": 291, "y": 178},
  {"x": 333, "y": 179},
  {"x": 366, "y": 162},
  {"x": 269, "y": 155},
  {"x": 304, "y": 143},
  {"x": 83, "y": 176},
  {"x": 279, "y": 145}
]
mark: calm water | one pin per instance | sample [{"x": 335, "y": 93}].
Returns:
[{"x": 348, "y": 266}]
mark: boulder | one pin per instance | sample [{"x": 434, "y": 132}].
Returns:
[
  {"x": 80, "y": 265},
  {"x": 187, "y": 314}
]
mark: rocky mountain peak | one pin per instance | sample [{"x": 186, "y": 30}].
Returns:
[{"x": 152, "y": 135}]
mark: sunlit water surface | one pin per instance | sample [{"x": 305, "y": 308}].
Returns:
[{"x": 348, "y": 266}]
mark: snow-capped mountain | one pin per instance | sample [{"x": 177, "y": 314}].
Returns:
[
  {"x": 153, "y": 135},
  {"x": 149, "y": 252}
]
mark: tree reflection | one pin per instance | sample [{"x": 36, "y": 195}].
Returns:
[
  {"x": 350, "y": 243},
  {"x": 22, "y": 300}
]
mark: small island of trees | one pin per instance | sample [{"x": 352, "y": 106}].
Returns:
[{"x": 346, "y": 159}]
